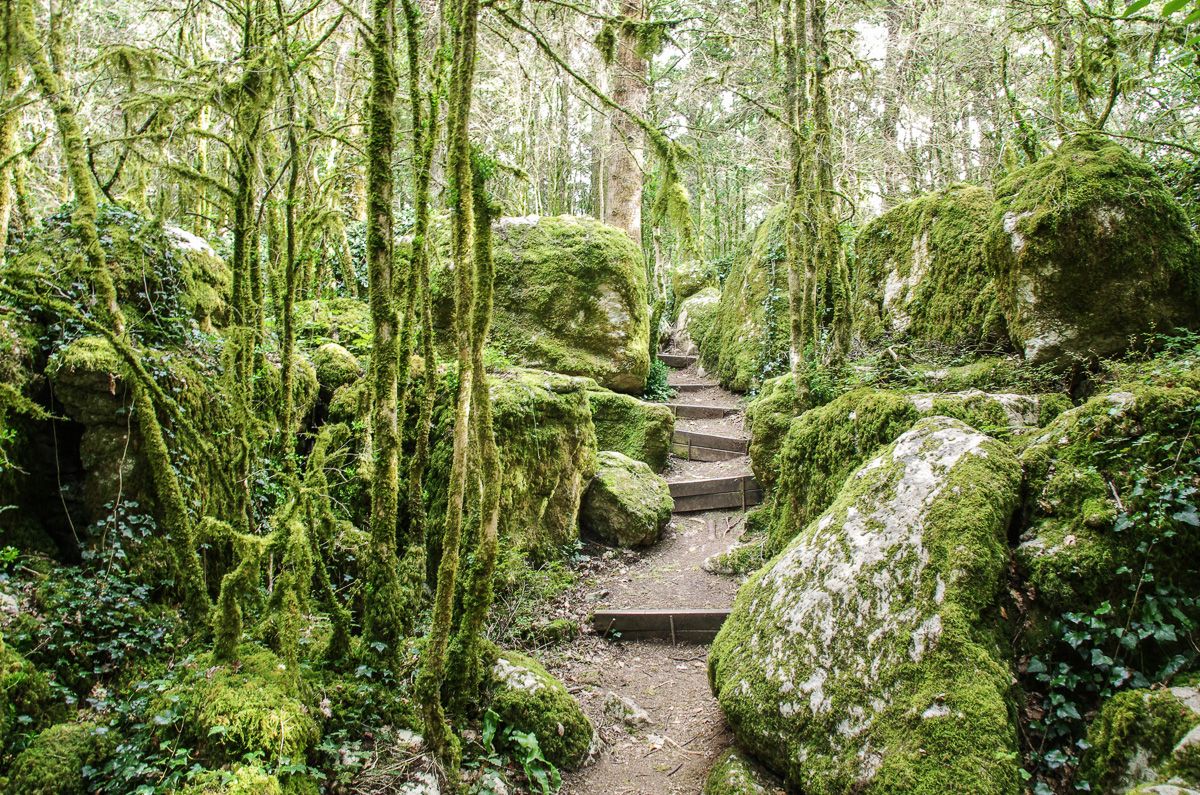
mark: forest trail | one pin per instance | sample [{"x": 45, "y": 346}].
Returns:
[{"x": 671, "y": 747}]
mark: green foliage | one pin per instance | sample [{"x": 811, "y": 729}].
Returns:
[
  {"x": 658, "y": 386},
  {"x": 504, "y": 744},
  {"x": 529, "y": 699}
]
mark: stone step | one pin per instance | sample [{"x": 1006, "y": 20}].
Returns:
[
  {"x": 676, "y": 360},
  {"x": 707, "y": 494},
  {"x": 691, "y": 387},
  {"x": 675, "y": 625},
  {"x": 694, "y": 411},
  {"x": 696, "y": 446}
]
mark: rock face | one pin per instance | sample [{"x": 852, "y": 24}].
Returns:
[
  {"x": 689, "y": 278},
  {"x": 529, "y": 698},
  {"x": 866, "y": 656},
  {"x": 626, "y": 504},
  {"x": 1089, "y": 248},
  {"x": 696, "y": 316},
  {"x": 570, "y": 297},
  {"x": 547, "y": 447},
  {"x": 749, "y": 338},
  {"x": 920, "y": 272},
  {"x": 636, "y": 428},
  {"x": 1145, "y": 740},
  {"x": 734, "y": 774}
]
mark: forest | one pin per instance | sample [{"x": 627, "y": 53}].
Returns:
[{"x": 605, "y": 397}]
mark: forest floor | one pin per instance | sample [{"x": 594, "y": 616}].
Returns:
[{"x": 671, "y": 747}]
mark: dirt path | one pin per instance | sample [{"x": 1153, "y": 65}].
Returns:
[{"x": 670, "y": 749}]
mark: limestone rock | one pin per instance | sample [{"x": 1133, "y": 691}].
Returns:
[
  {"x": 637, "y": 428},
  {"x": 734, "y": 774},
  {"x": 627, "y": 504},
  {"x": 920, "y": 272},
  {"x": 626, "y": 711},
  {"x": 688, "y": 278},
  {"x": 696, "y": 316},
  {"x": 526, "y": 696},
  {"x": 865, "y": 656},
  {"x": 570, "y": 297},
  {"x": 1088, "y": 248},
  {"x": 1145, "y": 741},
  {"x": 749, "y": 338}
]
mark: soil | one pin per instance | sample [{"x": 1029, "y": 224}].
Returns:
[{"x": 671, "y": 751}]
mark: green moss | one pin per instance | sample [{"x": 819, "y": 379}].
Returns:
[
  {"x": 639, "y": 429},
  {"x": 698, "y": 313},
  {"x": 346, "y": 321},
  {"x": 734, "y": 774},
  {"x": 626, "y": 504},
  {"x": 335, "y": 367},
  {"x": 768, "y": 417},
  {"x": 868, "y": 657},
  {"x": 246, "y": 707},
  {"x": 920, "y": 272},
  {"x": 570, "y": 296},
  {"x": 241, "y": 780},
  {"x": 824, "y": 445},
  {"x": 54, "y": 762},
  {"x": 1069, "y": 548},
  {"x": 1133, "y": 735},
  {"x": 547, "y": 446},
  {"x": 527, "y": 697},
  {"x": 749, "y": 338},
  {"x": 1089, "y": 248},
  {"x": 25, "y": 699},
  {"x": 991, "y": 374},
  {"x": 688, "y": 278}
]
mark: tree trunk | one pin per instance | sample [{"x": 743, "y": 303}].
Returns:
[{"x": 627, "y": 141}]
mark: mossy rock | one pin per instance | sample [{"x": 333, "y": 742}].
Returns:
[
  {"x": 247, "y": 707},
  {"x": 998, "y": 414},
  {"x": 1144, "y": 737},
  {"x": 823, "y": 446},
  {"x": 1070, "y": 546},
  {"x": 735, "y": 774},
  {"x": 627, "y": 504},
  {"x": 25, "y": 699},
  {"x": 868, "y": 656},
  {"x": 920, "y": 272},
  {"x": 570, "y": 296},
  {"x": 750, "y": 336},
  {"x": 54, "y": 762},
  {"x": 547, "y": 447},
  {"x": 335, "y": 367},
  {"x": 242, "y": 780},
  {"x": 695, "y": 318},
  {"x": 768, "y": 417},
  {"x": 1089, "y": 248},
  {"x": 163, "y": 275},
  {"x": 639, "y": 429},
  {"x": 345, "y": 321},
  {"x": 527, "y": 697},
  {"x": 688, "y": 278}
]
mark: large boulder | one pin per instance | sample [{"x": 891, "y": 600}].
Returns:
[
  {"x": 547, "y": 447},
  {"x": 867, "y": 656},
  {"x": 570, "y": 296},
  {"x": 750, "y": 335},
  {"x": 527, "y": 697},
  {"x": 1089, "y": 248},
  {"x": 636, "y": 428},
  {"x": 690, "y": 277},
  {"x": 166, "y": 277},
  {"x": 920, "y": 272},
  {"x": 696, "y": 316},
  {"x": 626, "y": 504}
]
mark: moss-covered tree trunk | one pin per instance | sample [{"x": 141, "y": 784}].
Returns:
[{"x": 625, "y": 159}]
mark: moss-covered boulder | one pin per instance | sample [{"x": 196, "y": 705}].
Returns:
[
  {"x": 570, "y": 297},
  {"x": 867, "y": 656},
  {"x": 734, "y": 774},
  {"x": 527, "y": 697},
  {"x": 547, "y": 446},
  {"x": 639, "y": 429},
  {"x": 1090, "y": 473},
  {"x": 345, "y": 321},
  {"x": 247, "y": 708},
  {"x": 164, "y": 275},
  {"x": 1143, "y": 737},
  {"x": 696, "y": 316},
  {"x": 688, "y": 278},
  {"x": 750, "y": 336},
  {"x": 54, "y": 762},
  {"x": 241, "y": 780},
  {"x": 768, "y": 417},
  {"x": 920, "y": 272},
  {"x": 25, "y": 698},
  {"x": 335, "y": 367},
  {"x": 1088, "y": 248},
  {"x": 626, "y": 504}
]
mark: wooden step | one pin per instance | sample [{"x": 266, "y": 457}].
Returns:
[
  {"x": 691, "y": 387},
  {"x": 692, "y": 411},
  {"x": 695, "y": 626},
  {"x": 695, "y": 446},
  {"x": 678, "y": 361},
  {"x": 707, "y": 494}
]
